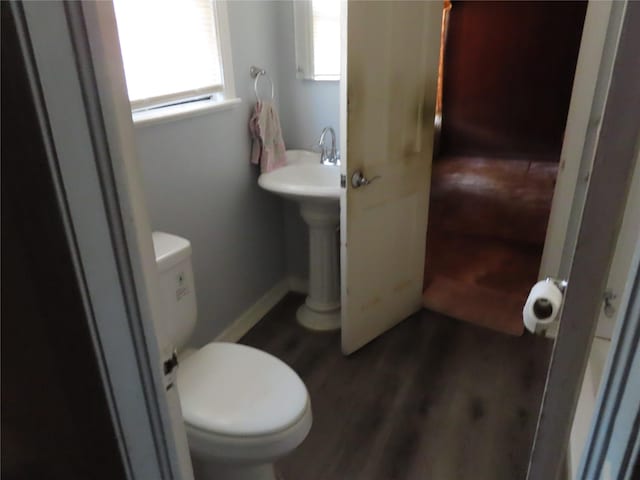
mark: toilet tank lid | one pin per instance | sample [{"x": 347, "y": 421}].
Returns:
[{"x": 170, "y": 249}]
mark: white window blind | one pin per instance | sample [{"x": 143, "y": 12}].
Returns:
[
  {"x": 326, "y": 39},
  {"x": 170, "y": 50},
  {"x": 317, "y": 32}
]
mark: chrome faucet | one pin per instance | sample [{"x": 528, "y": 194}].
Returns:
[{"x": 332, "y": 156}]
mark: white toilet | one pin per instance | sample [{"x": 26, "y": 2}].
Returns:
[{"x": 242, "y": 407}]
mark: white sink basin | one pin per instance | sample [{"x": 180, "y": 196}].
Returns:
[{"x": 303, "y": 178}]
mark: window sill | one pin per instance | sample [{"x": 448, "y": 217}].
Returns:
[
  {"x": 178, "y": 112},
  {"x": 323, "y": 79}
]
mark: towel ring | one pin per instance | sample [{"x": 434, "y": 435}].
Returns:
[{"x": 257, "y": 73}]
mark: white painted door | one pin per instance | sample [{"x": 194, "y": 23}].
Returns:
[
  {"x": 578, "y": 149},
  {"x": 599, "y": 221},
  {"x": 391, "y": 53}
]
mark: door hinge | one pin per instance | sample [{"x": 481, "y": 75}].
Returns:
[
  {"x": 169, "y": 366},
  {"x": 609, "y": 308}
]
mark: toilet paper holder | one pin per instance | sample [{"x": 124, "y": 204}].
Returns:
[{"x": 561, "y": 284}]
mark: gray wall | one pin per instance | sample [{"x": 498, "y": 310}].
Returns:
[
  {"x": 308, "y": 106},
  {"x": 305, "y": 110},
  {"x": 199, "y": 183}
]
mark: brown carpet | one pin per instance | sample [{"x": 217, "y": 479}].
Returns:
[{"x": 487, "y": 224}]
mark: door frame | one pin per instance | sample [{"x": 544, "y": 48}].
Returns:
[
  {"x": 85, "y": 121},
  {"x": 594, "y": 67},
  {"x": 614, "y": 438},
  {"x": 616, "y": 150}
]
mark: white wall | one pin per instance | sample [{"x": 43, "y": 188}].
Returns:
[{"x": 199, "y": 184}]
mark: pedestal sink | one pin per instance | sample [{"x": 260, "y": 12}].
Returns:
[{"x": 316, "y": 188}]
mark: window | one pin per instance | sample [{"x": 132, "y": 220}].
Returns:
[
  {"x": 317, "y": 33},
  {"x": 173, "y": 51}
]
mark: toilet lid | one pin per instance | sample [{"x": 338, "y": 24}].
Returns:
[{"x": 239, "y": 390}]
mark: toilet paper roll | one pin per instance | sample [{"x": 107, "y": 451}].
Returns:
[{"x": 542, "y": 306}]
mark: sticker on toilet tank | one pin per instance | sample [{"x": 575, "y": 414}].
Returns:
[{"x": 182, "y": 288}]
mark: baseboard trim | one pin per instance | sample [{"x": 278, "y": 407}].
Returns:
[{"x": 250, "y": 317}]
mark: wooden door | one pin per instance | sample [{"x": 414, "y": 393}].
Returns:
[{"x": 391, "y": 51}]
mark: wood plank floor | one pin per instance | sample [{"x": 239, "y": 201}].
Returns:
[{"x": 433, "y": 398}]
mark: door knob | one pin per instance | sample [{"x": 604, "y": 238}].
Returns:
[{"x": 358, "y": 179}]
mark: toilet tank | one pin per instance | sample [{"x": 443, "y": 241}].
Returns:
[{"x": 173, "y": 257}]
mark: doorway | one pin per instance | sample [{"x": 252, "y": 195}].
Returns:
[{"x": 506, "y": 78}]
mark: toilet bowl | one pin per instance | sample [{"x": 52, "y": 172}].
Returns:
[{"x": 243, "y": 408}]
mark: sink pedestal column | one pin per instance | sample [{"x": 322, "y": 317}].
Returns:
[{"x": 321, "y": 310}]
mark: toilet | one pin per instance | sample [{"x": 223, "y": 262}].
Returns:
[{"x": 243, "y": 408}]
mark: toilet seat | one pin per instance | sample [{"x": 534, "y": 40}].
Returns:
[{"x": 240, "y": 402}]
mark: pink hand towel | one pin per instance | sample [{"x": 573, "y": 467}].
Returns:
[{"x": 268, "y": 148}]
